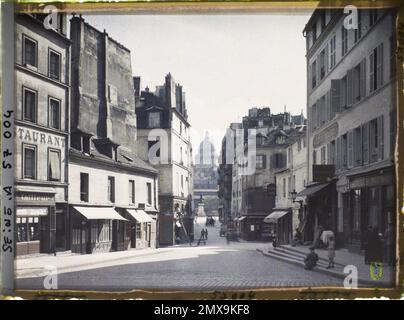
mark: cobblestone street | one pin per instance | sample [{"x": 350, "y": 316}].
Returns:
[{"x": 216, "y": 265}]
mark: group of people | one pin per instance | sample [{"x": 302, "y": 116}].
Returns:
[
  {"x": 210, "y": 221},
  {"x": 203, "y": 238},
  {"x": 377, "y": 247}
]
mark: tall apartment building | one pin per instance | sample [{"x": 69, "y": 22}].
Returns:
[
  {"x": 351, "y": 105},
  {"x": 290, "y": 179},
  {"x": 42, "y": 78},
  {"x": 112, "y": 193},
  {"x": 163, "y": 130},
  {"x": 253, "y": 190}
]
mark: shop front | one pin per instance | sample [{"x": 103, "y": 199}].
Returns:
[
  {"x": 97, "y": 229},
  {"x": 251, "y": 227},
  {"x": 35, "y": 220},
  {"x": 142, "y": 228},
  {"x": 318, "y": 206},
  {"x": 368, "y": 204},
  {"x": 280, "y": 225}
]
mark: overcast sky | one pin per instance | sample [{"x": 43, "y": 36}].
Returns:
[{"x": 226, "y": 63}]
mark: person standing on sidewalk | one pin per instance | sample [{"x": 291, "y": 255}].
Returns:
[
  {"x": 206, "y": 234},
  {"x": 331, "y": 251},
  {"x": 203, "y": 234}
]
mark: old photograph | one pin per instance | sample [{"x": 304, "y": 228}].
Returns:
[{"x": 202, "y": 151}]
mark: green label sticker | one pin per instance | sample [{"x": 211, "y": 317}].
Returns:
[{"x": 376, "y": 270}]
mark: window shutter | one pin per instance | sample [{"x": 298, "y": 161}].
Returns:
[
  {"x": 328, "y": 161},
  {"x": 350, "y": 149},
  {"x": 335, "y": 97},
  {"x": 372, "y": 71},
  {"x": 264, "y": 162},
  {"x": 314, "y": 116},
  {"x": 350, "y": 88},
  {"x": 365, "y": 142},
  {"x": 54, "y": 165},
  {"x": 380, "y": 128},
  {"x": 318, "y": 65},
  {"x": 362, "y": 79},
  {"x": 338, "y": 154},
  {"x": 379, "y": 65},
  {"x": 327, "y": 106},
  {"x": 326, "y": 59}
]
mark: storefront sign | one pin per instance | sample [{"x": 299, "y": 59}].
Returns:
[
  {"x": 34, "y": 136},
  {"x": 323, "y": 172},
  {"x": 326, "y": 135},
  {"x": 25, "y": 196},
  {"x": 32, "y": 212}
]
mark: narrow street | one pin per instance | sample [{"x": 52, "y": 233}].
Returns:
[{"x": 216, "y": 265}]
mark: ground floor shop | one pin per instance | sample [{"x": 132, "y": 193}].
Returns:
[
  {"x": 251, "y": 227},
  {"x": 368, "y": 204},
  {"x": 98, "y": 229},
  {"x": 41, "y": 222},
  {"x": 317, "y": 211},
  {"x": 279, "y": 223}
]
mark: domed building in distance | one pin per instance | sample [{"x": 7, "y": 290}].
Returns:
[{"x": 205, "y": 178}]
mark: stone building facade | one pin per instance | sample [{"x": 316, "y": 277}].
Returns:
[
  {"x": 163, "y": 140},
  {"x": 113, "y": 194},
  {"x": 42, "y": 78},
  {"x": 254, "y": 185},
  {"x": 351, "y": 103}
]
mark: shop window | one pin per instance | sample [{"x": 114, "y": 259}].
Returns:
[
  {"x": 138, "y": 230},
  {"x": 111, "y": 189},
  {"x": 54, "y": 165},
  {"x": 30, "y": 103},
  {"x": 30, "y": 52},
  {"x": 54, "y": 113},
  {"x": 27, "y": 229},
  {"x": 84, "y": 192},
  {"x": 54, "y": 65},
  {"x": 30, "y": 162}
]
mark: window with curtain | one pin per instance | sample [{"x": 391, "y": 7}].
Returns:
[
  {"x": 29, "y": 105},
  {"x": 54, "y": 165},
  {"x": 54, "y": 113},
  {"x": 30, "y": 162},
  {"x": 54, "y": 65},
  {"x": 30, "y": 52}
]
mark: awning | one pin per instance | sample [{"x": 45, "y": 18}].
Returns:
[
  {"x": 139, "y": 215},
  {"x": 32, "y": 212},
  {"x": 310, "y": 191},
  {"x": 274, "y": 216},
  {"x": 99, "y": 213}
]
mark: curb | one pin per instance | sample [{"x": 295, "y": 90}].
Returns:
[
  {"x": 39, "y": 272},
  {"x": 362, "y": 282}
]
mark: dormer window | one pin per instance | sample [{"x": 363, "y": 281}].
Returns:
[
  {"x": 115, "y": 153},
  {"x": 154, "y": 120},
  {"x": 86, "y": 144},
  {"x": 280, "y": 140}
]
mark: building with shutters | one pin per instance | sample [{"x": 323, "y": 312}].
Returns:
[
  {"x": 351, "y": 107},
  {"x": 163, "y": 140},
  {"x": 253, "y": 183},
  {"x": 113, "y": 194},
  {"x": 42, "y": 79}
]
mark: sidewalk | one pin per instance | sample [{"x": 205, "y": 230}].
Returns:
[
  {"x": 343, "y": 258},
  {"x": 39, "y": 265}
]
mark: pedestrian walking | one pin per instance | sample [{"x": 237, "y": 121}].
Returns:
[
  {"x": 206, "y": 234},
  {"x": 331, "y": 251},
  {"x": 311, "y": 259}
]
